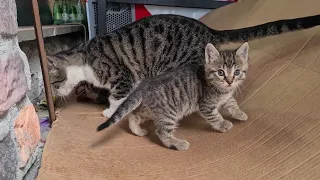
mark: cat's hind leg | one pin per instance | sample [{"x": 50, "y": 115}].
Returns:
[
  {"x": 114, "y": 104},
  {"x": 118, "y": 93},
  {"x": 164, "y": 130},
  {"x": 135, "y": 121}
]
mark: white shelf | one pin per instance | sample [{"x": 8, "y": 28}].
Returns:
[{"x": 27, "y": 33}]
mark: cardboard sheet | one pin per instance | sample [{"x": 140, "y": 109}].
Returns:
[{"x": 281, "y": 139}]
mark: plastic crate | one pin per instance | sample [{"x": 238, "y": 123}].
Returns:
[
  {"x": 121, "y": 14},
  {"x": 117, "y": 15}
]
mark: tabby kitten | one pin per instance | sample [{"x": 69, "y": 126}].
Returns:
[
  {"x": 169, "y": 97},
  {"x": 119, "y": 60}
]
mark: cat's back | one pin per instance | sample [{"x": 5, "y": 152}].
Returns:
[
  {"x": 185, "y": 75},
  {"x": 154, "y": 32},
  {"x": 153, "y": 44},
  {"x": 163, "y": 23}
]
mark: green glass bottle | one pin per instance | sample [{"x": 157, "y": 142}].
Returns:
[
  {"x": 65, "y": 15},
  {"x": 72, "y": 11},
  {"x": 57, "y": 12},
  {"x": 80, "y": 12}
]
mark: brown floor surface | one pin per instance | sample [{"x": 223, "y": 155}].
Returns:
[{"x": 281, "y": 139}]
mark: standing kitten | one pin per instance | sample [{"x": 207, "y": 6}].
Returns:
[
  {"x": 169, "y": 97},
  {"x": 119, "y": 60}
]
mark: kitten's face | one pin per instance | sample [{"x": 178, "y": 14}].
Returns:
[
  {"x": 58, "y": 76},
  {"x": 226, "y": 70}
]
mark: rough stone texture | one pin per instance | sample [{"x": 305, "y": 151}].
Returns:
[
  {"x": 36, "y": 152},
  {"x": 13, "y": 80},
  {"x": 8, "y": 159},
  {"x": 7, "y": 130},
  {"x": 8, "y": 45},
  {"x": 32, "y": 171},
  {"x": 8, "y": 14},
  {"x": 27, "y": 132},
  {"x": 27, "y": 71},
  {"x": 19, "y": 146},
  {"x": 4, "y": 130}
]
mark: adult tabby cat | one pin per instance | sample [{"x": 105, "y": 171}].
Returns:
[
  {"x": 119, "y": 60},
  {"x": 169, "y": 97},
  {"x": 98, "y": 95}
]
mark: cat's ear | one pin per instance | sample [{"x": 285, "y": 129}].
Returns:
[
  {"x": 211, "y": 53},
  {"x": 243, "y": 52},
  {"x": 52, "y": 64}
]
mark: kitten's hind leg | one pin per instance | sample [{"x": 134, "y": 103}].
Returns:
[
  {"x": 164, "y": 130},
  {"x": 234, "y": 110},
  {"x": 214, "y": 118},
  {"x": 135, "y": 122}
]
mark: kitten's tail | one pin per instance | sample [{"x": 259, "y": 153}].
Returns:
[
  {"x": 128, "y": 105},
  {"x": 269, "y": 29}
]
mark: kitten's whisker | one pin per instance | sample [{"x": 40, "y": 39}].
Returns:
[
  {"x": 240, "y": 90},
  {"x": 236, "y": 93},
  {"x": 244, "y": 87}
]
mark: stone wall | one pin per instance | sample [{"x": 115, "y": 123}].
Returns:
[{"x": 19, "y": 124}]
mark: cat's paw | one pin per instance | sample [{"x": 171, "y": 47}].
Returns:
[
  {"x": 107, "y": 113},
  {"x": 180, "y": 145},
  {"x": 239, "y": 115},
  {"x": 222, "y": 126}
]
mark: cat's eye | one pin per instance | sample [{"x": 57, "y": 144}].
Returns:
[
  {"x": 237, "y": 72},
  {"x": 56, "y": 86},
  {"x": 220, "y": 72}
]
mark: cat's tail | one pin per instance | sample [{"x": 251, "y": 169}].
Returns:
[
  {"x": 128, "y": 105},
  {"x": 268, "y": 29}
]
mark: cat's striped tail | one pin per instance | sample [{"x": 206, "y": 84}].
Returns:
[
  {"x": 128, "y": 105},
  {"x": 268, "y": 29}
]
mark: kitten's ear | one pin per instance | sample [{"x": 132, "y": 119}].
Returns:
[
  {"x": 211, "y": 53},
  {"x": 243, "y": 52}
]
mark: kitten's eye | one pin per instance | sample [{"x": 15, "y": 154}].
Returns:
[
  {"x": 237, "y": 72},
  {"x": 220, "y": 72}
]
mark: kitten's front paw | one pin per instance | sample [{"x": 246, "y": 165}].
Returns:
[
  {"x": 180, "y": 145},
  {"x": 107, "y": 113},
  {"x": 222, "y": 126},
  {"x": 240, "y": 115}
]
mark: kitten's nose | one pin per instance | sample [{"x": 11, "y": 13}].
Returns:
[{"x": 229, "y": 81}]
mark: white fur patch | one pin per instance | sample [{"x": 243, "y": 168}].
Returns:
[
  {"x": 90, "y": 77},
  {"x": 114, "y": 104},
  {"x": 76, "y": 74}
]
